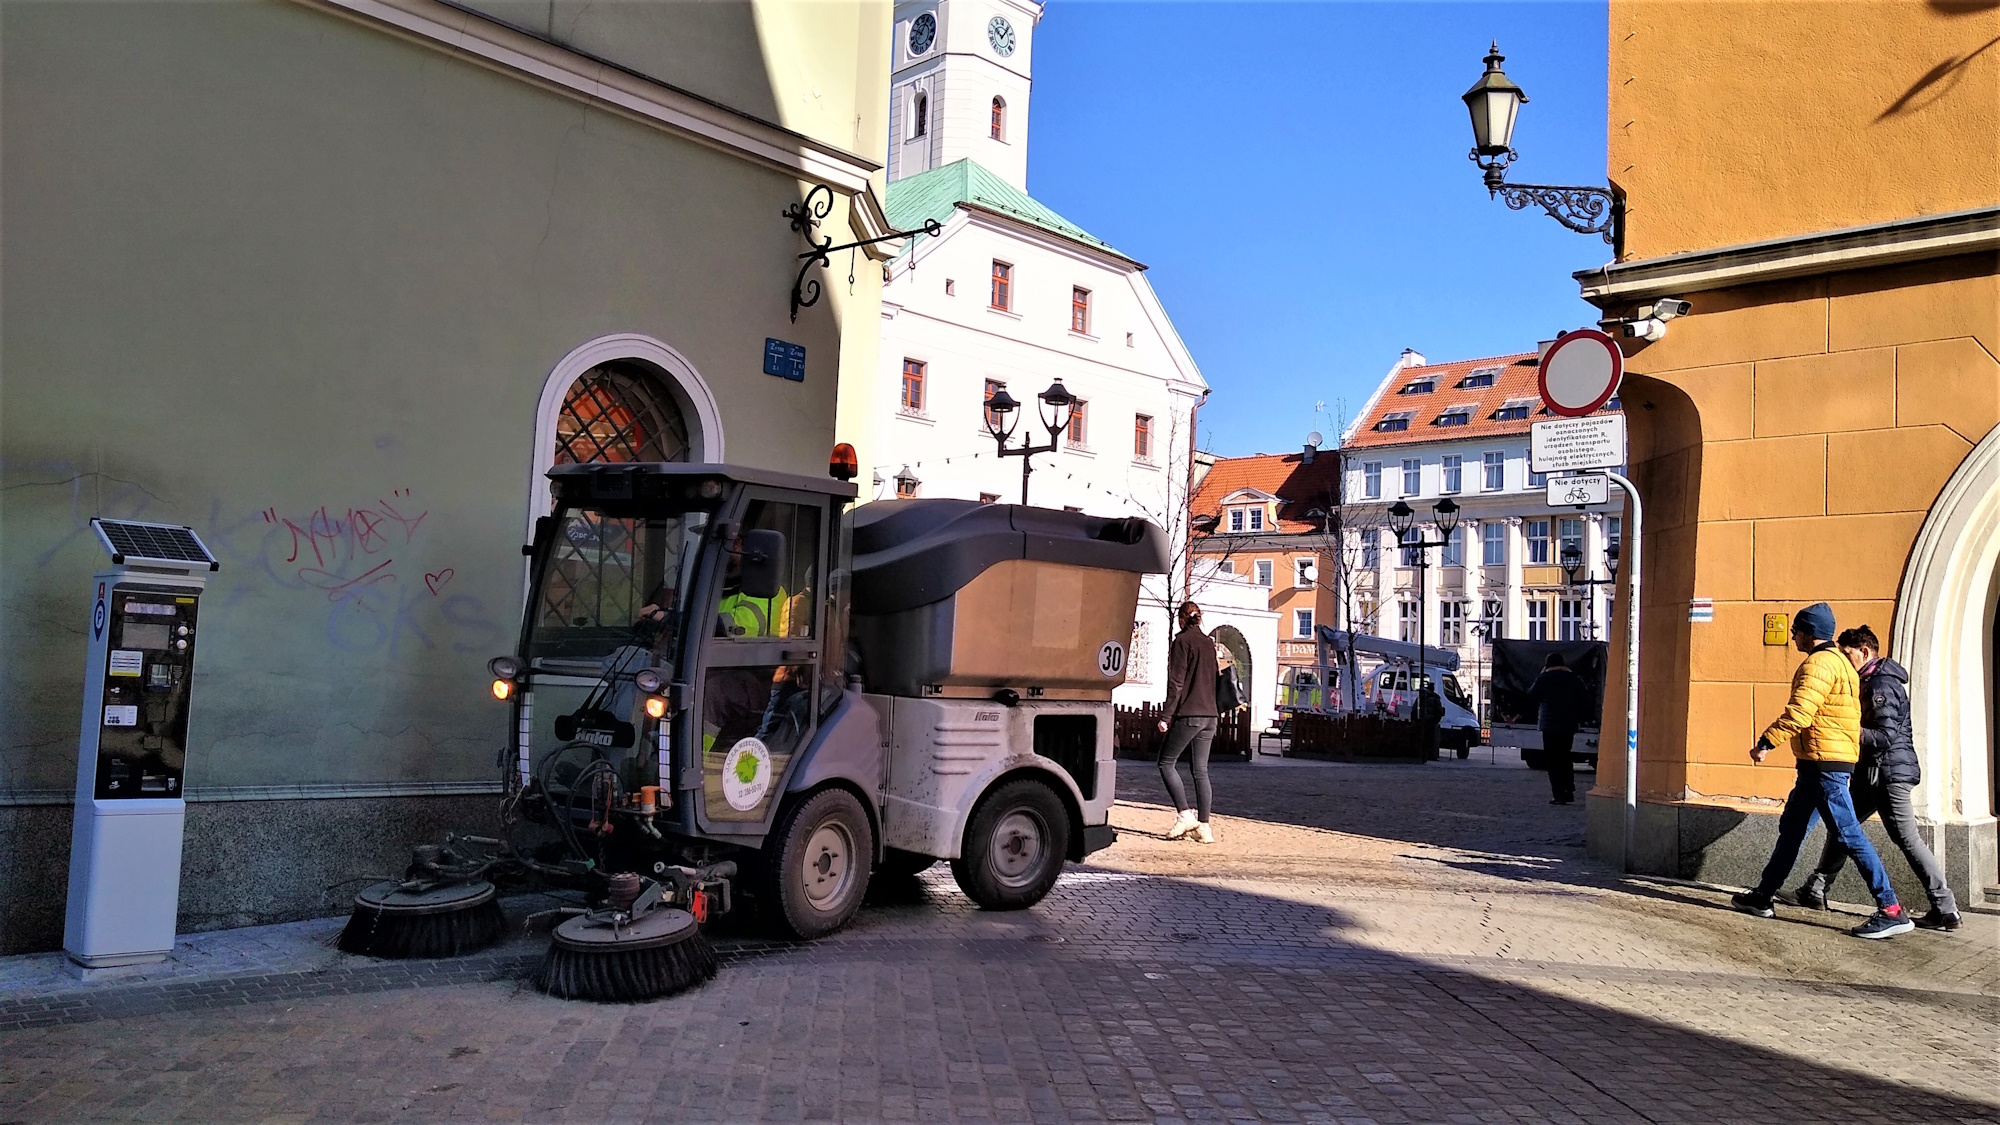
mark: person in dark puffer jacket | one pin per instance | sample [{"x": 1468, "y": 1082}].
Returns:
[{"x": 1888, "y": 771}]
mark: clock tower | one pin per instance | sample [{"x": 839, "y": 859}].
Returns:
[{"x": 959, "y": 82}]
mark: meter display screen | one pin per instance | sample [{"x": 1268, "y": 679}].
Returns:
[
  {"x": 149, "y": 635},
  {"x": 143, "y": 716}
]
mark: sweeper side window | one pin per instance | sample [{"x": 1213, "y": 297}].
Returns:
[{"x": 614, "y": 583}]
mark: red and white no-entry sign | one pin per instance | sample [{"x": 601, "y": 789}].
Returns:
[{"x": 1580, "y": 372}]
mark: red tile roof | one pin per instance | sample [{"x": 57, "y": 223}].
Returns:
[
  {"x": 1514, "y": 379},
  {"x": 1298, "y": 486}
]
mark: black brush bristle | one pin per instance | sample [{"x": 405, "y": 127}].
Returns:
[
  {"x": 626, "y": 976},
  {"x": 397, "y": 935}
]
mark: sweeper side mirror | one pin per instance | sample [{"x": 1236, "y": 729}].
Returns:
[{"x": 763, "y": 562}]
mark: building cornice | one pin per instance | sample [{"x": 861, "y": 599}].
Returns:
[
  {"x": 1852, "y": 248},
  {"x": 605, "y": 85},
  {"x": 1057, "y": 240}
]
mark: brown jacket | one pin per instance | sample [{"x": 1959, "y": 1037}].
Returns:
[{"x": 1191, "y": 672}]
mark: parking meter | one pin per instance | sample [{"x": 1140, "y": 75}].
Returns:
[{"x": 125, "y": 842}]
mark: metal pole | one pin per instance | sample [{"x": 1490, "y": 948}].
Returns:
[
  {"x": 1632, "y": 534},
  {"x": 1417, "y": 689},
  {"x": 1027, "y": 467}
]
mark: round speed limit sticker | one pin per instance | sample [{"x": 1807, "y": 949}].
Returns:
[{"x": 1111, "y": 659}]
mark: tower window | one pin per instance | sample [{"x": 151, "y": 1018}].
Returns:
[
  {"x": 920, "y": 115},
  {"x": 1003, "y": 286},
  {"x": 999, "y": 119}
]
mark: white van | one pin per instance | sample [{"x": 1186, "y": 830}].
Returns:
[{"x": 1388, "y": 688}]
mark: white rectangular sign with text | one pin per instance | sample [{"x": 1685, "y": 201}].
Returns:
[
  {"x": 1567, "y": 445},
  {"x": 1577, "y": 491}
]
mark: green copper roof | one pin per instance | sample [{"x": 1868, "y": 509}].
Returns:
[{"x": 937, "y": 193}]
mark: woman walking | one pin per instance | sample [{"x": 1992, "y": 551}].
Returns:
[{"x": 1189, "y": 723}]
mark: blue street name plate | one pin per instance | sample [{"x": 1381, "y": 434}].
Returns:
[{"x": 786, "y": 361}]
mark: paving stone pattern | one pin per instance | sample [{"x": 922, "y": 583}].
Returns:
[{"x": 1365, "y": 944}]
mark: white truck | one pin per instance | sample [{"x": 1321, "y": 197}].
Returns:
[
  {"x": 1516, "y": 664},
  {"x": 1392, "y": 686}
]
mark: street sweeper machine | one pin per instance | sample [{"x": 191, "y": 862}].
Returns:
[{"x": 730, "y": 684}]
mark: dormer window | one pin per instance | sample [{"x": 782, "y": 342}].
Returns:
[
  {"x": 1422, "y": 386},
  {"x": 1459, "y": 415},
  {"x": 1246, "y": 518},
  {"x": 1514, "y": 410},
  {"x": 1397, "y": 420},
  {"x": 1480, "y": 377}
]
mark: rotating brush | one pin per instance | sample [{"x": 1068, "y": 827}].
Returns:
[
  {"x": 447, "y": 921},
  {"x": 638, "y": 949}
]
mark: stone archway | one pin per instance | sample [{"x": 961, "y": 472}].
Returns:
[
  {"x": 1231, "y": 640},
  {"x": 1944, "y": 634}
]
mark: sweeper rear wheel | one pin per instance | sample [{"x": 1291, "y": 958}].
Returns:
[
  {"x": 657, "y": 954},
  {"x": 440, "y": 922}
]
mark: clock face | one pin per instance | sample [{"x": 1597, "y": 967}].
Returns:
[
  {"x": 1000, "y": 33},
  {"x": 923, "y": 31}
]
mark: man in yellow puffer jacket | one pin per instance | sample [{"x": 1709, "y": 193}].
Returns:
[{"x": 1823, "y": 721}]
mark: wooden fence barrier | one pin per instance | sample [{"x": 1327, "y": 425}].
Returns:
[
  {"x": 1137, "y": 733},
  {"x": 1359, "y": 738}
]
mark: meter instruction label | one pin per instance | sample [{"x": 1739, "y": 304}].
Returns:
[
  {"x": 126, "y": 715},
  {"x": 746, "y": 774},
  {"x": 1111, "y": 659},
  {"x": 127, "y": 662}
]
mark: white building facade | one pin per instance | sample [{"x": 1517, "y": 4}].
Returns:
[
  {"x": 1011, "y": 295},
  {"x": 1460, "y": 430}
]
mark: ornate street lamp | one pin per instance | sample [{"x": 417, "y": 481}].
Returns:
[
  {"x": 1573, "y": 569},
  {"x": 1495, "y": 103},
  {"x": 1003, "y": 417},
  {"x": 1403, "y": 520}
]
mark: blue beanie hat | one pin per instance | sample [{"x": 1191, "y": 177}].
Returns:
[{"x": 1816, "y": 619}]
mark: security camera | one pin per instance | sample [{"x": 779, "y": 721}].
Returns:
[
  {"x": 1645, "y": 328},
  {"x": 1667, "y": 308}
]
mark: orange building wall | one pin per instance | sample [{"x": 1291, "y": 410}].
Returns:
[
  {"x": 1742, "y": 121},
  {"x": 1789, "y": 439}
]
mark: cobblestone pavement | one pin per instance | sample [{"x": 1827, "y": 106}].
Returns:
[{"x": 1364, "y": 944}]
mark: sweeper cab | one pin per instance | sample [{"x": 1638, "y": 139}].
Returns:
[{"x": 729, "y": 683}]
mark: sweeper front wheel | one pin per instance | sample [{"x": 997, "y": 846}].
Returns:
[
  {"x": 816, "y": 868},
  {"x": 441, "y": 922},
  {"x": 657, "y": 954}
]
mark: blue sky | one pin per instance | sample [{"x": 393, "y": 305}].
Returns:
[{"x": 1295, "y": 176}]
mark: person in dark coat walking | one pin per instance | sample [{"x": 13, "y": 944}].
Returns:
[
  {"x": 1888, "y": 770},
  {"x": 1189, "y": 722},
  {"x": 1560, "y": 700}
]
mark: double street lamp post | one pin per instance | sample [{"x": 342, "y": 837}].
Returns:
[
  {"x": 1402, "y": 520},
  {"x": 1573, "y": 569},
  {"x": 1003, "y": 416}
]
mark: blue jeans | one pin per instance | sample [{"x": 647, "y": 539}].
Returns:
[{"x": 1823, "y": 793}]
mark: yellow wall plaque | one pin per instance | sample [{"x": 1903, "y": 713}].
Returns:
[{"x": 1777, "y": 629}]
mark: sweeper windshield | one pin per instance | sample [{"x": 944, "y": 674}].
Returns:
[{"x": 613, "y": 590}]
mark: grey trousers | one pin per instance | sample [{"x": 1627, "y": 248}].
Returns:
[{"x": 1892, "y": 800}]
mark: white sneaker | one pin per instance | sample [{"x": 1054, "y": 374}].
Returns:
[
  {"x": 1203, "y": 834},
  {"x": 1183, "y": 824}
]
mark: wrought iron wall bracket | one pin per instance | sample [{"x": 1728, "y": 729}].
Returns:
[
  {"x": 805, "y": 217},
  {"x": 1585, "y": 210}
]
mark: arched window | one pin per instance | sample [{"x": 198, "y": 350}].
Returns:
[
  {"x": 620, "y": 411},
  {"x": 999, "y": 119},
  {"x": 920, "y": 113}
]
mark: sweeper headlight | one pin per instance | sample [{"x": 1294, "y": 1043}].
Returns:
[
  {"x": 504, "y": 667},
  {"x": 648, "y": 681},
  {"x": 656, "y": 708}
]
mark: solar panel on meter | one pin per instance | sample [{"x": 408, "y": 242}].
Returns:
[{"x": 131, "y": 542}]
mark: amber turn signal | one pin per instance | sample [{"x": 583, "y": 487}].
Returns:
[
  {"x": 503, "y": 689},
  {"x": 655, "y": 707},
  {"x": 843, "y": 465}
]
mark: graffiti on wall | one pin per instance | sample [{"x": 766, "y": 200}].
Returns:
[{"x": 365, "y": 572}]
